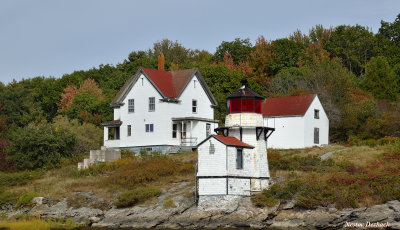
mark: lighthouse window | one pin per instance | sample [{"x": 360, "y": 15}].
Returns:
[
  {"x": 235, "y": 106},
  {"x": 247, "y": 105},
  {"x": 244, "y": 105},
  {"x": 239, "y": 158}
]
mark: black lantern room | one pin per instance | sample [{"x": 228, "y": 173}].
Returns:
[{"x": 244, "y": 100}]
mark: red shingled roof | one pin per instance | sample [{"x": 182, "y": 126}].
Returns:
[
  {"x": 163, "y": 81},
  {"x": 232, "y": 141},
  {"x": 287, "y": 106},
  {"x": 170, "y": 84}
]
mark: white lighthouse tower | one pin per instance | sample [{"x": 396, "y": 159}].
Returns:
[{"x": 235, "y": 162}]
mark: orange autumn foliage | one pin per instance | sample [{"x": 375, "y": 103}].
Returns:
[{"x": 89, "y": 86}]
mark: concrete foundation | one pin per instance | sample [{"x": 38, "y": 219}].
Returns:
[
  {"x": 102, "y": 155},
  {"x": 225, "y": 202}
]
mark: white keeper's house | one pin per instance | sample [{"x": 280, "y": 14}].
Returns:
[
  {"x": 235, "y": 162},
  {"x": 299, "y": 121},
  {"x": 161, "y": 111}
]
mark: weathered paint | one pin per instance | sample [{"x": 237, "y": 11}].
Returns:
[
  {"x": 214, "y": 186},
  {"x": 252, "y": 177}
]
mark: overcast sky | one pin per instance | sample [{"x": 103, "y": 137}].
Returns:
[{"x": 54, "y": 37}]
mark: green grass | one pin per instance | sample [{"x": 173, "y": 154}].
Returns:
[
  {"x": 18, "y": 178},
  {"x": 25, "y": 199},
  {"x": 32, "y": 223},
  {"x": 169, "y": 203},
  {"x": 6, "y": 197},
  {"x": 137, "y": 196}
]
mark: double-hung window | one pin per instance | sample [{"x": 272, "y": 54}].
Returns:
[
  {"x": 152, "y": 104},
  {"x": 131, "y": 105},
  {"x": 149, "y": 128},
  {"x": 194, "y": 106},
  {"x": 129, "y": 130},
  {"x": 174, "y": 130}
]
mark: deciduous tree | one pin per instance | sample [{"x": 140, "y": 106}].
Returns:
[
  {"x": 353, "y": 44},
  {"x": 380, "y": 80},
  {"x": 239, "y": 50}
]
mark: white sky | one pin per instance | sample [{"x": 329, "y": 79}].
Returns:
[{"x": 55, "y": 37}]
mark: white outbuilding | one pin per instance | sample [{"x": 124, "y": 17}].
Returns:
[
  {"x": 299, "y": 121},
  {"x": 235, "y": 163}
]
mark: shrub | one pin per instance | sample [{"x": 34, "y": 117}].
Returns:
[
  {"x": 25, "y": 199},
  {"x": 18, "y": 178},
  {"x": 37, "y": 146},
  {"x": 88, "y": 135},
  {"x": 306, "y": 163},
  {"x": 5, "y": 165},
  {"x": 131, "y": 198},
  {"x": 94, "y": 170},
  {"x": 132, "y": 172},
  {"x": 125, "y": 153},
  {"x": 270, "y": 197},
  {"x": 169, "y": 203},
  {"x": 315, "y": 193},
  {"x": 266, "y": 198},
  {"x": 5, "y": 197}
]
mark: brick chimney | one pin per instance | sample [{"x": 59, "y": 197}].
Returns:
[{"x": 161, "y": 61}]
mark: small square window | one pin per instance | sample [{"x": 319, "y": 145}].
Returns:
[
  {"x": 131, "y": 105},
  {"x": 316, "y": 113},
  {"x": 152, "y": 104},
  {"x": 149, "y": 128},
  {"x": 194, "y": 106},
  {"x": 129, "y": 130}
]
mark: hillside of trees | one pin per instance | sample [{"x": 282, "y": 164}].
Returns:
[{"x": 355, "y": 72}]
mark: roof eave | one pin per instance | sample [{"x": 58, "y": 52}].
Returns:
[{"x": 203, "y": 84}]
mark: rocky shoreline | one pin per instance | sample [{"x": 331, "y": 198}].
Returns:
[{"x": 186, "y": 214}]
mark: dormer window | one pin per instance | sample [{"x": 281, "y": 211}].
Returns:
[
  {"x": 194, "y": 106},
  {"x": 152, "y": 104},
  {"x": 131, "y": 105},
  {"x": 316, "y": 113}
]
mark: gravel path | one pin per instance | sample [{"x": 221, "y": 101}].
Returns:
[{"x": 328, "y": 154}]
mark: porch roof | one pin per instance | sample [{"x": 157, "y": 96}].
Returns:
[
  {"x": 194, "y": 119},
  {"x": 114, "y": 123}
]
